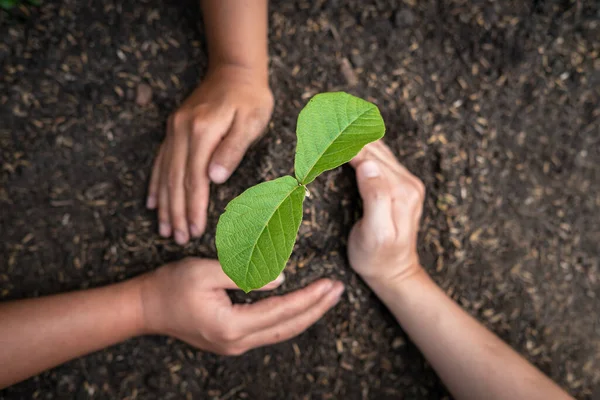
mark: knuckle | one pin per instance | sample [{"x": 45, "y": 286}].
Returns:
[
  {"x": 256, "y": 116},
  {"x": 413, "y": 194},
  {"x": 173, "y": 178},
  {"x": 171, "y": 183},
  {"x": 420, "y": 188},
  {"x": 257, "y": 120},
  {"x": 199, "y": 125},
  {"x": 178, "y": 120},
  {"x": 190, "y": 183}
]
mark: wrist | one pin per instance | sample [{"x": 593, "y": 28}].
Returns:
[
  {"x": 130, "y": 306},
  {"x": 154, "y": 315},
  {"x": 255, "y": 71},
  {"x": 400, "y": 283},
  {"x": 139, "y": 296}
]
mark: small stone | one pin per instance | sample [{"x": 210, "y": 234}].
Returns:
[
  {"x": 404, "y": 18},
  {"x": 397, "y": 343},
  {"x": 357, "y": 60},
  {"x": 143, "y": 95}
]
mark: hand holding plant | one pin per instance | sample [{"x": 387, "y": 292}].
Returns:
[
  {"x": 257, "y": 232},
  {"x": 206, "y": 140},
  {"x": 187, "y": 300},
  {"x": 383, "y": 245}
]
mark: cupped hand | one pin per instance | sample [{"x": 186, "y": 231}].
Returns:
[
  {"x": 383, "y": 244},
  {"x": 187, "y": 300},
  {"x": 206, "y": 140}
]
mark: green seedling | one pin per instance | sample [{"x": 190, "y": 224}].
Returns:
[
  {"x": 8, "y": 4},
  {"x": 257, "y": 232}
]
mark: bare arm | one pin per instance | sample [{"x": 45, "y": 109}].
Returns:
[
  {"x": 237, "y": 33},
  {"x": 186, "y": 300},
  {"x": 37, "y": 334},
  {"x": 472, "y": 361},
  {"x": 211, "y": 131}
]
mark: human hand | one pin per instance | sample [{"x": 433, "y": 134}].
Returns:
[
  {"x": 206, "y": 140},
  {"x": 383, "y": 244},
  {"x": 187, "y": 300}
]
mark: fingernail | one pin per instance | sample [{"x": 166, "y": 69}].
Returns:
[
  {"x": 195, "y": 231},
  {"x": 280, "y": 279},
  {"x": 370, "y": 169},
  {"x": 181, "y": 237},
  {"x": 326, "y": 287},
  {"x": 336, "y": 292},
  {"x": 164, "y": 229},
  {"x": 151, "y": 202},
  {"x": 218, "y": 173}
]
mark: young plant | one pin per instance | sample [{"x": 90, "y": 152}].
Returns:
[
  {"x": 9, "y": 4},
  {"x": 257, "y": 232}
]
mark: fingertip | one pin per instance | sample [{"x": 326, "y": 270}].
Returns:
[
  {"x": 151, "y": 202},
  {"x": 336, "y": 291},
  {"x": 195, "y": 230},
  {"x": 274, "y": 284},
  {"x": 164, "y": 229},
  {"x": 369, "y": 169},
  {"x": 280, "y": 279},
  {"x": 355, "y": 162},
  {"x": 181, "y": 237},
  {"x": 325, "y": 286},
  {"x": 218, "y": 173}
]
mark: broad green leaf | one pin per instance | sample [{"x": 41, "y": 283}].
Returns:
[
  {"x": 257, "y": 232},
  {"x": 331, "y": 130},
  {"x": 7, "y": 4}
]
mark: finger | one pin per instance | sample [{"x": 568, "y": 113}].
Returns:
[
  {"x": 378, "y": 151},
  {"x": 152, "y": 200},
  {"x": 229, "y": 153},
  {"x": 289, "y": 328},
  {"x": 375, "y": 190},
  {"x": 360, "y": 157},
  {"x": 366, "y": 153},
  {"x": 164, "y": 219},
  {"x": 269, "y": 312},
  {"x": 176, "y": 175},
  {"x": 407, "y": 201},
  {"x": 381, "y": 151},
  {"x": 206, "y": 135},
  {"x": 217, "y": 279}
]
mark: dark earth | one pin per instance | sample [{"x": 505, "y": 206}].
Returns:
[{"x": 494, "y": 105}]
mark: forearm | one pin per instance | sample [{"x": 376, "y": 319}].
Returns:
[
  {"x": 472, "y": 361},
  {"x": 237, "y": 33},
  {"x": 37, "y": 334}
]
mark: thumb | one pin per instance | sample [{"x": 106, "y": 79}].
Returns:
[
  {"x": 375, "y": 191},
  {"x": 228, "y": 155},
  {"x": 217, "y": 279}
]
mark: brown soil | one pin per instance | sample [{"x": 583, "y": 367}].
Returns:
[{"x": 494, "y": 105}]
